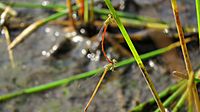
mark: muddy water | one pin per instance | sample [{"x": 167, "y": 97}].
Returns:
[{"x": 121, "y": 90}]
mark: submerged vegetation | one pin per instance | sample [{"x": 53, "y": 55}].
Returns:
[{"x": 96, "y": 37}]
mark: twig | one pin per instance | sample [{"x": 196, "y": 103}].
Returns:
[{"x": 198, "y": 17}]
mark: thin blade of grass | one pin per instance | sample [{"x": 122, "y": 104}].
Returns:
[
  {"x": 10, "y": 52},
  {"x": 173, "y": 97},
  {"x": 86, "y": 11},
  {"x": 167, "y": 91},
  {"x": 136, "y": 56},
  {"x": 30, "y": 29},
  {"x": 91, "y": 73},
  {"x": 191, "y": 89},
  {"x": 198, "y": 17}
]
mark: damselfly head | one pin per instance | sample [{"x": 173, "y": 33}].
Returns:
[
  {"x": 114, "y": 61},
  {"x": 109, "y": 20}
]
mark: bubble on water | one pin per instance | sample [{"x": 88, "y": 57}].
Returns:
[
  {"x": 57, "y": 34},
  {"x": 77, "y": 38},
  {"x": 83, "y": 51},
  {"x": 70, "y": 34},
  {"x": 55, "y": 47},
  {"x": 166, "y": 30},
  {"x": 74, "y": 15},
  {"x": 2, "y": 32},
  {"x": 45, "y": 3},
  {"x": 94, "y": 56},
  {"x": 82, "y": 30},
  {"x": 45, "y": 53},
  {"x": 47, "y": 30},
  {"x": 88, "y": 43},
  {"x": 151, "y": 63}
]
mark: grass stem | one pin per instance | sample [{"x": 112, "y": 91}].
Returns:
[
  {"x": 173, "y": 97},
  {"x": 180, "y": 102},
  {"x": 190, "y": 73},
  {"x": 152, "y": 22},
  {"x": 86, "y": 11},
  {"x": 35, "y": 26},
  {"x": 76, "y": 77},
  {"x": 107, "y": 68},
  {"x": 198, "y": 17},
  {"x": 70, "y": 13},
  {"x": 171, "y": 89},
  {"x": 136, "y": 56},
  {"x": 10, "y": 51},
  {"x": 92, "y": 11}
]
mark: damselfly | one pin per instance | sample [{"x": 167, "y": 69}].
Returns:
[
  {"x": 101, "y": 36},
  {"x": 109, "y": 66}
]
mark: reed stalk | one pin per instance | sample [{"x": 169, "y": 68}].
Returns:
[
  {"x": 9, "y": 9},
  {"x": 141, "y": 24},
  {"x": 180, "y": 102},
  {"x": 198, "y": 17},
  {"x": 92, "y": 12},
  {"x": 86, "y": 11},
  {"x": 10, "y": 51},
  {"x": 136, "y": 56},
  {"x": 70, "y": 13},
  {"x": 191, "y": 88},
  {"x": 169, "y": 90},
  {"x": 30, "y": 29},
  {"x": 102, "y": 11},
  {"x": 174, "y": 96}
]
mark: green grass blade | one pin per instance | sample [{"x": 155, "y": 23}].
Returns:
[
  {"x": 198, "y": 16},
  {"x": 136, "y": 55},
  {"x": 86, "y": 11},
  {"x": 68, "y": 80}
]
